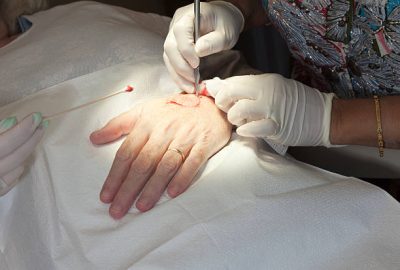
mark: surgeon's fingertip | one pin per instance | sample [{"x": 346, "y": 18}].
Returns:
[
  {"x": 213, "y": 86},
  {"x": 37, "y": 118},
  {"x": 262, "y": 128},
  {"x": 45, "y": 124},
  {"x": 8, "y": 122},
  {"x": 203, "y": 48},
  {"x": 243, "y": 132}
]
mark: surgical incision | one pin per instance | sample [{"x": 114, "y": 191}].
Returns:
[{"x": 186, "y": 100}]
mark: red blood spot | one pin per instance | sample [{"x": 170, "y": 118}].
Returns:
[
  {"x": 129, "y": 88},
  {"x": 204, "y": 92}
]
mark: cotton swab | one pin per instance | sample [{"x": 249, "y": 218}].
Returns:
[{"x": 127, "y": 89}]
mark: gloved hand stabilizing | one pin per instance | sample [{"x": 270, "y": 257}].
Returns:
[
  {"x": 221, "y": 24},
  {"x": 270, "y": 106},
  {"x": 17, "y": 142}
]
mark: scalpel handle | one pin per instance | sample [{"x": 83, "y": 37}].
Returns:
[
  {"x": 196, "y": 37},
  {"x": 196, "y": 20},
  {"x": 197, "y": 80}
]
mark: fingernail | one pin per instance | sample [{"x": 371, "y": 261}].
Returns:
[
  {"x": 98, "y": 133},
  {"x": 37, "y": 118},
  {"x": 116, "y": 211},
  {"x": 8, "y": 122},
  {"x": 105, "y": 197},
  {"x": 143, "y": 205},
  {"x": 173, "y": 192}
]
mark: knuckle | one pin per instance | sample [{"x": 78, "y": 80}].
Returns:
[{"x": 231, "y": 117}]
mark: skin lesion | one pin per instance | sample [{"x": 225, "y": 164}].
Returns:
[
  {"x": 191, "y": 105},
  {"x": 185, "y": 100}
]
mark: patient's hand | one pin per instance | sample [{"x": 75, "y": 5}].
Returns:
[{"x": 144, "y": 166}]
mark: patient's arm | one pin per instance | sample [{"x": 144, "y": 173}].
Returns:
[{"x": 143, "y": 165}]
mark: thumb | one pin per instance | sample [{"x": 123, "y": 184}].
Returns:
[
  {"x": 210, "y": 43},
  {"x": 213, "y": 86},
  {"x": 261, "y": 128}
]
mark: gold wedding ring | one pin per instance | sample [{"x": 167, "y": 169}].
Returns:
[{"x": 178, "y": 151}]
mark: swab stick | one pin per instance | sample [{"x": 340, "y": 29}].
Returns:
[{"x": 127, "y": 89}]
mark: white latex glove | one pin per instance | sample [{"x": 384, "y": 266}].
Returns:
[
  {"x": 269, "y": 106},
  {"x": 220, "y": 26},
  {"x": 17, "y": 142}
]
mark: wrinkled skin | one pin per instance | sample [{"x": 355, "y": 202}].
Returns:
[{"x": 143, "y": 165}]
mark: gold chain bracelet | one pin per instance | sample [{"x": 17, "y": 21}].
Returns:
[{"x": 379, "y": 131}]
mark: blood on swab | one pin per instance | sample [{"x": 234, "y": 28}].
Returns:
[{"x": 127, "y": 89}]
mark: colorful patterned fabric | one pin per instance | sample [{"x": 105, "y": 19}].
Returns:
[{"x": 348, "y": 47}]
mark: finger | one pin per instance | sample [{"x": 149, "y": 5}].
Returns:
[
  {"x": 7, "y": 123},
  {"x": 17, "y": 135},
  {"x": 155, "y": 187},
  {"x": 227, "y": 92},
  {"x": 179, "y": 64},
  {"x": 245, "y": 110},
  {"x": 214, "y": 85},
  {"x": 210, "y": 43},
  {"x": 127, "y": 152},
  {"x": 262, "y": 128},
  {"x": 186, "y": 173},
  {"x": 8, "y": 181},
  {"x": 183, "y": 84},
  {"x": 184, "y": 34},
  {"x": 217, "y": 88},
  {"x": 116, "y": 128},
  {"x": 235, "y": 89},
  {"x": 19, "y": 155},
  {"x": 140, "y": 171}
]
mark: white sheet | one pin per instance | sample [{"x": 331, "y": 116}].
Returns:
[
  {"x": 249, "y": 209},
  {"x": 79, "y": 38}
]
